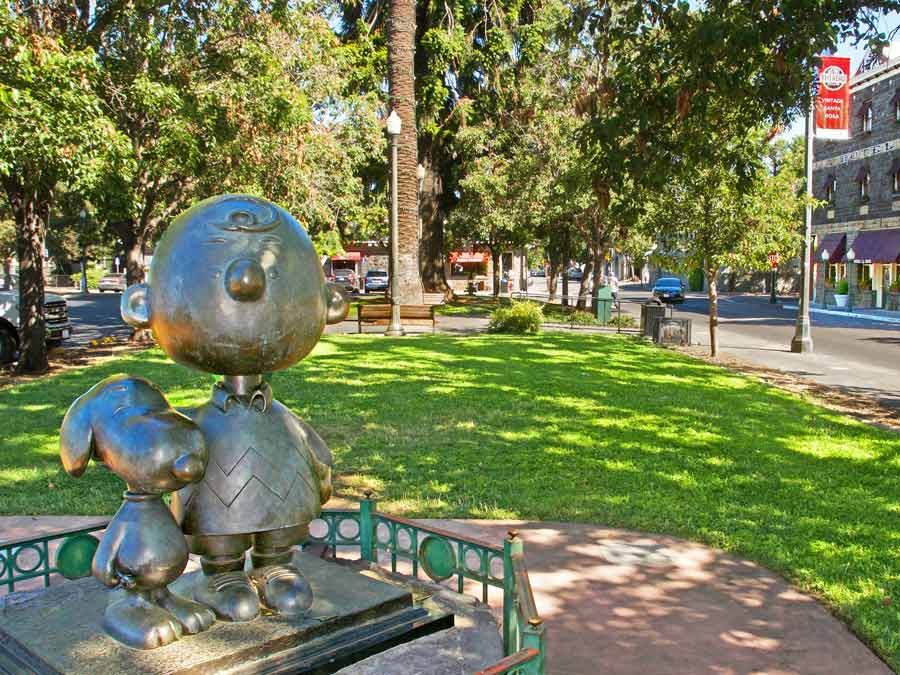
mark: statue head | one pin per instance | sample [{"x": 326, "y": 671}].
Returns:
[{"x": 235, "y": 288}]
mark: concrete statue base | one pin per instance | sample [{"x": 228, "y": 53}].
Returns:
[{"x": 58, "y": 629}]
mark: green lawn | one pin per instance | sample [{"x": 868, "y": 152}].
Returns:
[{"x": 557, "y": 427}]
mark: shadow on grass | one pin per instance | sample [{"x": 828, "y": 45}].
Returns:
[{"x": 554, "y": 427}]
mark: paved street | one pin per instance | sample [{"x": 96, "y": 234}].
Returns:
[
  {"x": 94, "y": 316},
  {"x": 856, "y": 355}
]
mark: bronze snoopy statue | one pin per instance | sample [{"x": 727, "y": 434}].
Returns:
[{"x": 126, "y": 424}]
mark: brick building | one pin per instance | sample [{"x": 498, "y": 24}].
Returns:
[{"x": 857, "y": 233}]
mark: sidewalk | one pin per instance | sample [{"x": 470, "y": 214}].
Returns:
[
  {"x": 879, "y": 315},
  {"x": 623, "y": 602}
]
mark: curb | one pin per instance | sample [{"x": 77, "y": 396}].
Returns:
[{"x": 850, "y": 315}]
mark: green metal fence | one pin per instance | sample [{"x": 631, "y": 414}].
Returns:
[{"x": 441, "y": 555}]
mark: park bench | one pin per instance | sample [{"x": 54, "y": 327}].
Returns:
[
  {"x": 433, "y": 298},
  {"x": 409, "y": 315}
]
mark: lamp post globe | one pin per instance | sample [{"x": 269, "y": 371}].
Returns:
[{"x": 394, "y": 125}]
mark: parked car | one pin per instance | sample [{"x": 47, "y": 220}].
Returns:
[
  {"x": 669, "y": 289},
  {"x": 376, "y": 280},
  {"x": 56, "y": 321},
  {"x": 112, "y": 282},
  {"x": 346, "y": 278},
  {"x": 539, "y": 273},
  {"x": 575, "y": 274}
]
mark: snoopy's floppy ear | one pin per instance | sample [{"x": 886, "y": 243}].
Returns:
[
  {"x": 135, "y": 306},
  {"x": 76, "y": 438},
  {"x": 338, "y": 303}
]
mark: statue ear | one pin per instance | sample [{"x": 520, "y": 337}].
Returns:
[
  {"x": 338, "y": 303},
  {"x": 135, "y": 306},
  {"x": 76, "y": 438}
]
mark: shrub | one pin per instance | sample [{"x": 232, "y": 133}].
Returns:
[
  {"x": 895, "y": 286},
  {"x": 518, "y": 317},
  {"x": 623, "y": 321},
  {"x": 843, "y": 287},
  {"x": 581, "y": 318},
  {"x": 94, "y": 274}
]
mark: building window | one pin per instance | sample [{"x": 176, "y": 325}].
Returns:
[
  {"x": 863, "y": 179},
  {"x": 896, "y": 178},
  {"x": 868, "y": 118},
  {"x": 830, "y": 188},
  {"x": 897, "y": 111}
]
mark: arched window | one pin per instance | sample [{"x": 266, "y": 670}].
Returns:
[
  {"x": 866, "y": 117},
  {"x": 830, "y": 188}
]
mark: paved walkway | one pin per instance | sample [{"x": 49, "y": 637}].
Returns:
[{"x": 625, "y": 602}]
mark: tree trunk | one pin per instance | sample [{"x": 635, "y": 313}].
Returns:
[
  {"x": 432, "y": 257},
  {"x": 585, "y": 285},
  {"x": 401, "y": 51},
  {"x": 713, "y": 313},
  {"x": 134, "y": 258},
  {"x": 554, "y": 259},
  {"x": 27, "y": 206},
  {"x": 495, "y": 262},
  {"x": 597, "y": 277}
]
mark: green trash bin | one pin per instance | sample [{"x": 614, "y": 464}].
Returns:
[{"x": 604, "y": 302}]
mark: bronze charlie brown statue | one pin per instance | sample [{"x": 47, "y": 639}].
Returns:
[{"x": 236, "y": 288}]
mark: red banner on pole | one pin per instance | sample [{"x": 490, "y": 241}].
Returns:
[{"x": 833, "y": 99}]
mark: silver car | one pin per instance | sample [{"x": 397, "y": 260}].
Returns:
[{"x": 112, "y": 282}]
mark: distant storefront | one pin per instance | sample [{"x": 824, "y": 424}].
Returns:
[
  {"x": 857, "y": 231},
  {"x": 466, "y": 266}
]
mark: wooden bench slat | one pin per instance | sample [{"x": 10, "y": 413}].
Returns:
[{"x": 380, "y": 314}]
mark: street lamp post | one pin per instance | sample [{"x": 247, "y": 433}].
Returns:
[
  {"x": 851, "y": 256},
  {"x": 802, "y": 342},
  {"x": 393, "y": 129},
  {"x": 82, "y": 219}
]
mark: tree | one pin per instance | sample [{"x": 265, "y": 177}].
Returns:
[
  {"x": 54, "y": 130},
  {"x": 401, "y": 54},
  {"x": 229, "y": 95},
  {"x": 714, "y": 216}
]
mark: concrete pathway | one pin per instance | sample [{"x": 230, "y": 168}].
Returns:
[{"x": 625, "y": 602}]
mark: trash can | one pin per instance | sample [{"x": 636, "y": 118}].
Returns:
[
  {"x": 671, "y": 331},
  {"x": 651, "y": 313},
  {"x": 604, "y": 302}
]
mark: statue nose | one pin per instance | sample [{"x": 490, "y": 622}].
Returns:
[{"x": 245, "y": 280}]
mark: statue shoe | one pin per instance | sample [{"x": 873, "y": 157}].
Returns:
[
  {"x": 229, "y": 594},
  {"x": 283, "y": 589}
]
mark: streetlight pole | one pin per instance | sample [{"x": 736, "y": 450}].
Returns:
[
  {"x": 394, "y": 327},
  {"x": 802, "y": 342},
  {"x": 82, "y": 219}
]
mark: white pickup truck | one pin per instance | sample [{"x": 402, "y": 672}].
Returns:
[{"x": 56, "y": 316}]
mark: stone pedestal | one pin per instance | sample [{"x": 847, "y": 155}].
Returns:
[{"x": 57, "y": 630}]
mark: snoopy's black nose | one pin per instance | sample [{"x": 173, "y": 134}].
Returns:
[
  {"x": 245, "y": 280},
  {"x": 189, "y": 468}
]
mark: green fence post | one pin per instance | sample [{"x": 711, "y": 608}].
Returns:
[
  {"x": 511, "y": 545},
  {"x": 367, "y": 528},
  {"x": 533, "y": 636}
]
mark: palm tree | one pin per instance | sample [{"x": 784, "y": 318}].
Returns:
[{"x": 401, "y": 53}]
